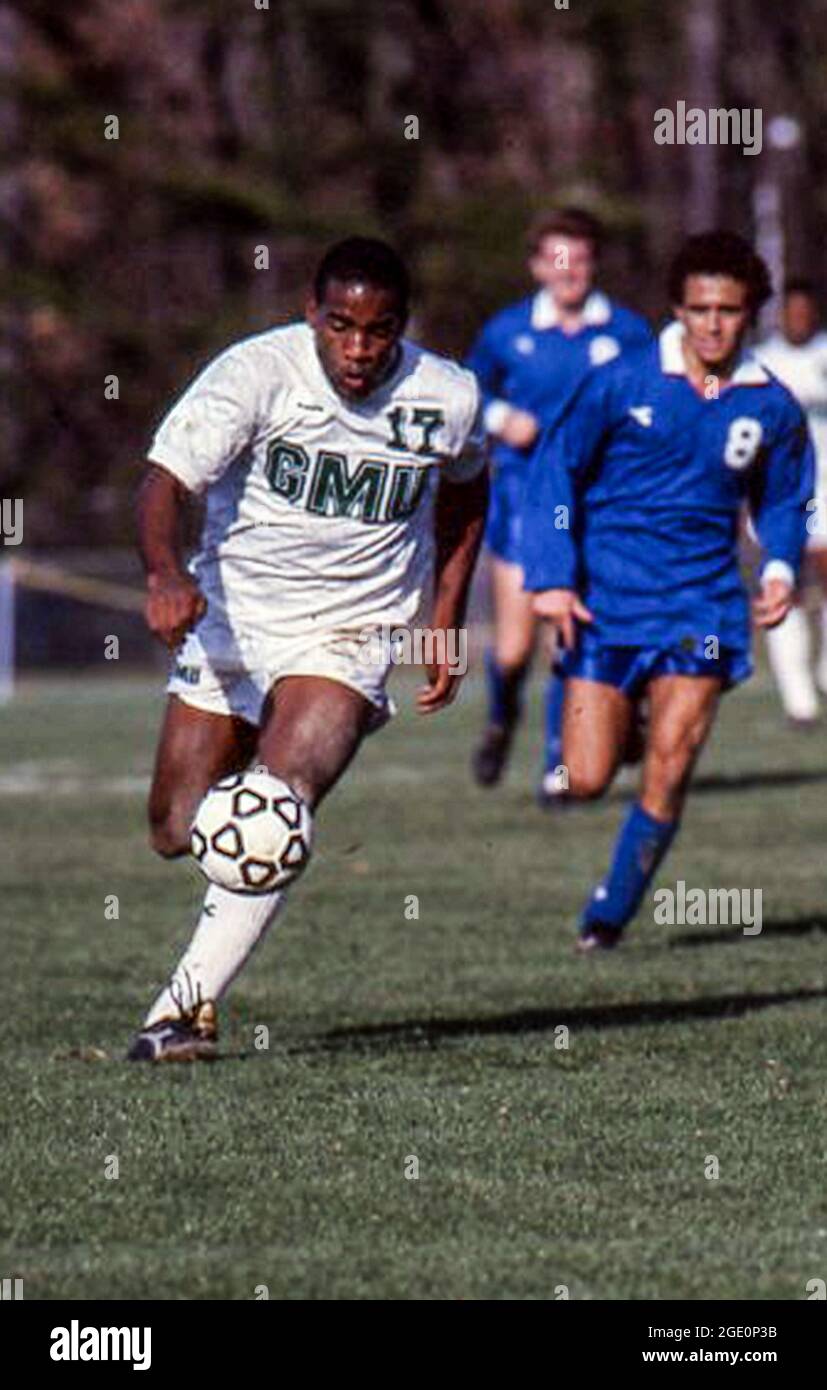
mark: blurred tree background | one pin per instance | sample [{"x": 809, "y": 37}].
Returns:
[{"x": 245, "y": 124}]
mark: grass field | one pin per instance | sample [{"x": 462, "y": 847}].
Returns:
[{"x": 439, "y": 1038}]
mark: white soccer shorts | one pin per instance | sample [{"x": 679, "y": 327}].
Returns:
[{"x": 208, "y": 676}]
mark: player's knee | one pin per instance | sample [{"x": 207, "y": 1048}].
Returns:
[
  {"x": 513, "y": 665},
  {"x": 586, "y": 783}
]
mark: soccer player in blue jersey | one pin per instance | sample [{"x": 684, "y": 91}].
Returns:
[
  {"x": 529, "y": 359},
  {"x": 630, "y": 548}
]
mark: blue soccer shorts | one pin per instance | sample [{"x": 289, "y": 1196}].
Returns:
[
  {"x": 629, "y": 669},
  {"x": 503, "y": 532}
]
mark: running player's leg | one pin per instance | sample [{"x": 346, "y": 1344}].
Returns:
[
  {"x": 507, "y": 663},
  {"x": 789, "y": 650},
  {"x": 515, "y": 629},
  {"x": 681, "y": 713},
  {"x": 196, "y": 748},
  {"x": 311, "y": 729},
  {"x": 817, "y": 560},
  {"x": 597, "y": 718},
  {"x": 555, "y": 694}
]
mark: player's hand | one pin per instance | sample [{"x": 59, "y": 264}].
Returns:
[
  {"x": 519, "y": 429},
  {"x": 443, "y": 683},
  {"x": 565, "y": 609},
  {"x": 773, "y": 603},
  {"x": 174, "y": 604}
]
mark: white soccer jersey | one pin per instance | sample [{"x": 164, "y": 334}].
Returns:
[
  {"x": 804, "y": 370},
  {"x": 319, "y": 511}
]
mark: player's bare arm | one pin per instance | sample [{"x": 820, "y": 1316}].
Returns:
[
  {"x": 773, "y": 603},
  {"x": 460, "y": 522},
  {"x": 519, "y": 428},
  {"x": 564, "y": 609},
  {"x": 174, "y": 601}
]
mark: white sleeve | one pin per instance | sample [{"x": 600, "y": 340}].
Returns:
[
  {"x": 212, "y": 423},
  {"x": 469, "y": 457}
]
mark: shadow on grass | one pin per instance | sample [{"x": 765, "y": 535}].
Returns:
[
  {"x": 729, "y": 936},
  {"x": 431, "y": 1032},
  {"x": 717, "y": 781},
  {"x": 791, "y": 777}
]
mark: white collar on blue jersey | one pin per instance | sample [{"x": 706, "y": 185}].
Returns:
[
  {"x": 596, "y": 311},
  {"x": 748, "y": 372}
]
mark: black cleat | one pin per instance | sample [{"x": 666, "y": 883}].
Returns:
[
  {"x": 491, "y": 755},
  {"x": 597, "y": 936},
  {"x": 191, "y": 1038}
]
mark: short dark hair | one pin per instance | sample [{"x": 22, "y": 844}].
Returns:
[
  {"x": 571, "y": 222},
  {"x": 799, "y": 285},
  {"x": 369, "y": 261},
  {"x": 720, "y": 253}
]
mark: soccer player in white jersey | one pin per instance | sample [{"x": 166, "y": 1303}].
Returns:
[
  {"x": 343, "y": 468},
  {"x": 797, "y": 355}
]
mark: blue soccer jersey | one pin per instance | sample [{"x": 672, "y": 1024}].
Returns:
[
  {"x": 633, "y": 498},
  {"x": 523, "y": 358}
]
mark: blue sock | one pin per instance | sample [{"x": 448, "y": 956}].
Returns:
[
  {"x": 505, "y": 689},
  {"x": 555, "y": 695},
  {"x": 640, "y": 847}
]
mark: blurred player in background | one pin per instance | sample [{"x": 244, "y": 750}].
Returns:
[
  {"x": 343, "y": 469},
  {"x": 797, "y": 355},
  {"x": 529, "y": 359},
  {"x": 651, "y": 465}
]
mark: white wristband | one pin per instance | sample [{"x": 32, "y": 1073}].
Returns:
[
  {"x": 495, "y": 415},
  {"x": 778, "y": 569}
]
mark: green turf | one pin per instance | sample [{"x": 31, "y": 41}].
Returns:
[{"x": 439, "y": 1038}]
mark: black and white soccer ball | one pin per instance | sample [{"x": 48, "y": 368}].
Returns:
[{"x": 252, "y": 833}]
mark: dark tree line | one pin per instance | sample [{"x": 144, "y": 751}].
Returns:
[{"x": 285, "y": 127}]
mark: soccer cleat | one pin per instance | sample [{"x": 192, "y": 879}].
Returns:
[
  {"x": 550, "y": 794},
  {"x": 491, "y": 755},
  {"x": 192, "y": 1037},
  {"x": 597, "y": 936}
]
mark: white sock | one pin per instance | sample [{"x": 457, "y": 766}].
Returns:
[
  {"x": 788, "y": 649},
  {"x": 821, "y": 673},
  {"x": 229, "y": 928}
]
